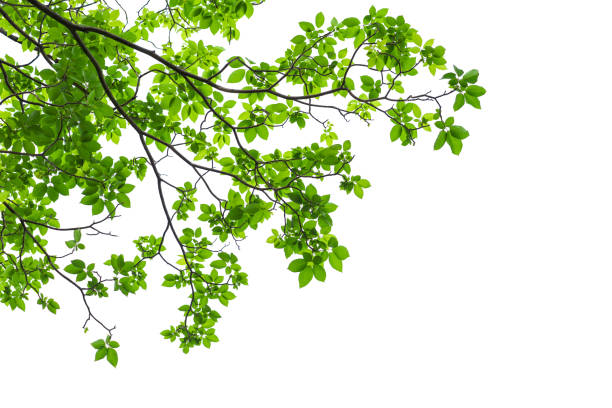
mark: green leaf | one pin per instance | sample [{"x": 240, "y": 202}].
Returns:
[
  {"x": 89, "y": 200},
  {"x": 100, "y": 354},
  {"x": 472, "y": 100},
  {"x": 320, "y": 19},
  {"x": 229, "y": 295},
  {"x": 175, "y": 106},
  {"x": 98, "y": 207},
  {"x": 440, "y": 140},
  {"x": 39, "y": 191},
  {"x": 319, "y": 273},
  {"x": 455, "y": 144},
  {"x": 396, "y": 132},
  {"x": 98, "y": 344},
  {"x": 124, "y": 200},
  {"x": 126, "y": 188},
  {"x": 297, "y": 265},
  {"x": 335, "y": 262},
  {"x": 305, "y": 277},
  {"x": 226, "y": 161},
  {"x": 358, "y": 191},
  {"x": 262, "y": 131},
  {"x": 112, "y": 357},
  {"x": 367, "y": 80},
  {"x": 363, "y": 183},
  {"x": 250, "y": 134},
  {"x": 167, "y": 88},
  {"x": 459, "y": 132},
  {"x": 298, "y": 39},
  {"x": 475, "y": 90},
  {"x": 276, "y": 107},
  {"x": 471, "y": 76},
  {"x": 306, "y": 26},
  {"x": 218, "y": 264},
  {"x": 351, "y": 21},
  {"x": 341, "y": 252},
  {"x": 459, "y": 102},
  {"x": 236, "y": 76}
]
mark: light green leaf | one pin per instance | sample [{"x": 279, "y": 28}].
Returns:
[
  {"x": 396, "y": 132},
  {"x": 236, "y": 76},
  {"x": 112, "y": 357},
  {"x": 305, "y": 277},
  {"x": 459, "y": 101},
  {"x": 472, "y": 100},
  {"x": 335, "y": 262},
  {"x": 475, "y": 90},
  {"x": 98, "y": 344},
  {"x": 319, "y": 273},
  {"x": 218, "y": 264},
  {"x": 341, "y": 252},
  {"x": 459, "y": 132},
  {"x": 298, "y": 39},
  {"x": 124, "y": 200},
  {"x": 175, "y": 106},
  {"x": 455, "y": 144},
  {"x": 440, "y": 140},
  {"x": 351, "y": 21},
  {"x": 306, "y": 26},
  {"x": 358, "y": 190},
  {"x": 98, "y": 207},
  {"x": 471, "y": 76},
  {"x": 297, "y": 265},
  {"x": 320, "y": 19},
  {"x": 100, "y": 354}
]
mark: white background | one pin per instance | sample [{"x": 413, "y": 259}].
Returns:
[{"x": 475, "y": 281}]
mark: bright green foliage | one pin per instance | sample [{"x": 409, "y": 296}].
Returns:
[
  {"x": 74, "y": 83},
  {"x": 106, "y": 348}
]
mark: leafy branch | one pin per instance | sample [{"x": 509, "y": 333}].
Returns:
[{"x": 81, "y": 79}]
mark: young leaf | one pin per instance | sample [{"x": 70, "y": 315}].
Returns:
[
  {"x": 297, "y": 265},
  {"x": 112, "y": 357},
  {"x": 455, "y": 144},
  {"x": 98, "y": 207},
  {"x": 305, "y": 277},
  {"x": 100, "y": 354},
  {"x": 335, "y": 262},
  {"x": 98, "y": 344},
  {"x": 396, "y": 132},
  {"x": 236, "y": 76},
  {"x": 475, "y": 90},
  {"x": 320, "y": 19},
  {"x": 459, "y": 132},
  {"x": 124, "y": 200},
  {"x": 351, "y": 21},
  {"x": 319, "y": 273},
  {"x": 471, "y": 76},
  {"x": 358, "y": 191},
  {"x": 306, "y": 26},
  {"x": 341, "y": 252},
  {"x": 459, "y": 101},
  {"x": 218, "y": 264},
  {"x": 440, "y": 140},
  {"x": 472, "y": 100}
]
